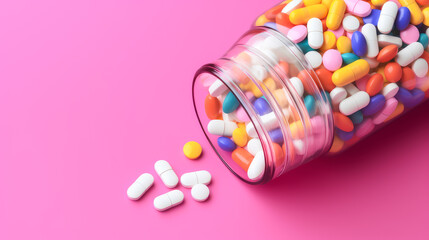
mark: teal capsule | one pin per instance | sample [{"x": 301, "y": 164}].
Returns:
[
  {"x": 310, "y": 104},
  {"x": 304, "y": 46},
  {"x": 356, "y": 117},
  {"x": 349, "y": 58},
  {"x": 230, "y": 104},
  {"x": 424, "y": 39}
]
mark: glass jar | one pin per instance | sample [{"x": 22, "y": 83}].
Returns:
[{"x": 265, "y": 110}]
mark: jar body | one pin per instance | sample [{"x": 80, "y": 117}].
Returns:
[{"x": 266, "y": 95}]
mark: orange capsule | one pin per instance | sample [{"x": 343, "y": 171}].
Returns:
[
  {"x": 387, "y": 53},
  {"x": 242, "y": 157},
  {"x": 283, "y": 20},
  {"x": 423, "y": 2},
  {"x": 284, "y": 66},
  {"x": 307, "y": 80},
  {"x": 272, "y": 13},
  {"x": 374, "y": 84},
  {"x": 393, "y": 72},
  {"x": 342, "y": 122},
  {"x": 325, "y": 77},
  {"x": 278, "y": 154},
  {"x": 212, "y": 106},
  {"x": 408, "y": 80}
]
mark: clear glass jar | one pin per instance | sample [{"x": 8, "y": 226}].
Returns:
[{"x": 279, "y": 99}]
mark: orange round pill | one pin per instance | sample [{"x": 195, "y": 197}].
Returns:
[
  {"x": 408, "y": 80},
  {"x": 387, "y": 53},
  {"x": 325, "y": 77},
  {"x": 374, "y": 84},
  {"x": 393, "y": 72},
  {"x": 342, "y": 122},
  {"x": 212, "y": 107},
  {"x": 242, "y": 157},
  {"x": 423, "y": 2}
]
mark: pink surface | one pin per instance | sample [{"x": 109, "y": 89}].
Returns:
[{"x": 94, "y": 92}]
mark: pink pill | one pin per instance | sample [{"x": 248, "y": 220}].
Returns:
[
  {"x": 339, "y": 32},
  {"x": 317, "y": 125},
  {"x": 332, "y": 60},
  {"x": 410, "y": 34},
  {"x": 297, "y": 33},
  {"x": 358, "y": 7},
  {"x": 364, "y": 128},
  {"x": 241, "y": 114},
  {"x": 361, "y": 83},
  {"x": 386, "y": 111}
]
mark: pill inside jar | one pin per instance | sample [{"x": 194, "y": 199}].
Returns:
[{"x": 309, "y": 78}]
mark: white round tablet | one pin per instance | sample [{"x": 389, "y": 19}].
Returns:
[
  {"x": 420, "y": 67},
  {"x": 314, "y": 58},
  {"x": 351, "y": 23},
  {"x": 200, "y": 192}
]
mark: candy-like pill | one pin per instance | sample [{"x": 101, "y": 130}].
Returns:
[
  {"x": 402, "y": 18},
  {"x": 342, "y": 122},
  {"x": 338, "y": 94},
  {"x": 315, "y": 33},
  {"x": 359, "y": 45},
  {"x": 257, "y": 166},
  {"x": 370, "y": 34},
  {"x": 349, "y": 58},
  {"x": 192, "y": 150},
  {"x": 199, "y": 177},
  {"x": 350, "y": 73},
  {"x": 420, "y": 67},
  {"x": 409, "y": 54},
  {"x": 221, "y": 128},
  {"x": 242, "y": 157},
  {"x": 354, "y": 103},
  {"x": 373, "y": 17},
  {"x": 410, "y": 34},
  {"x": 166, "y": 173},
  {"x": 393, "y": 72},
  {"x": 226, "y": 144},
  {"x": 376, "y": 103},
  {"x": 390, "y": 90},
  {"x": 386, "y": 40},
  {"x": 200, "y": 192},
  {"x": 212, "y": 107},
  {"x": 314, "y": 58},
  {"x": 387, "y": 110},
  {"x": 358, "y": 7},
  {"x": 217, "y": 88},
  {"x": 344, "y": 45},
  {"x": 240, "y": 137},
  {"x": 292, "y": 5},
  {"x": 374, "y": 84},
  {"x": 254, "y": 145},
  {"x": 230, "y": 103},
  {"x": 329, "y": 40},
  {"x": 297, "y": 84},
  {"x": 416, "y": 13},
  {"x": 351, "y": 23},
  {"x": 302, "y": 15},
  {"x": 261, "y": 106},
  {"x": 140, "y": 186},
  {"x": 168, "y": 200},
  {"x": 351, "y": 89},
  {"x": 325, "y": 78},
  {"x": 387, "y": 53},
  {"x": 387, "y": 17},
  {"x": 332, "y": 60},
  {"x": 335, "y": 14},
  {"x": 408, "y": 80},
  {"x": 297, "y": 33}
]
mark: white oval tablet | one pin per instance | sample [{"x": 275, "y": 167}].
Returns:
[
  {"x": 314, "y": 58},
  {"x": 168, "y": 200},
  {"x": 351, "y": 23},
  {"x": 200, "y": 192},
  {"x": 188, "y": 180},
  {"x": 338, "y": 94},
  {"x": 420, "y": 67},
  {"x": 140, "y": 186},
  {"x": 257, "y": 167},
  {"x": 297, "y": 84},
  {"x": 166, "y": 173},
  {"x": 390, "y": 90}
]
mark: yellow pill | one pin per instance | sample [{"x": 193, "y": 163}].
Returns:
[
  {"x": 281, "y": 98},
  {"x": 256, "y": 91},
  {"x": 425, "y": 12},
  {"x": 336, "y": 14},
  {"x": 302, "y": 15},
  {"x": 327, "y": 3},
  {"x": 329, "y": 41},
  {"x": 378, "y": 3},
  {"x": 350, "y": 73},
  {"x": 239, "y": 136},
  {"x": 192, "y": 150},
  {"x": 270, "y": 84},
  {"x": 297, "y": 130},
  {"x": 311, "y": 2},
  {"x": 261, "y": 20},
  {"x": 344, "y": 45},
  {"x": 416, "y": 13}
]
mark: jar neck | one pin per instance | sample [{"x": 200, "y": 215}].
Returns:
[{"x": 264, "y": 63}]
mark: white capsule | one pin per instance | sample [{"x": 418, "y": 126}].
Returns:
[
  {"x": 298, "y": 145},
  {"x": 168, "y": 200},
  {"x": 354, "y": 103},
  {"x": 315, "y": 33},
  {"x": 373, "y": 63},
  {"x": 294, "y": 4},
  {"x": 217, "y": 88},
  {"x": 386, "y": 40},
  {"x": 270, "y": 121},
  {"x": 251, "y": 131},
  {"x": 221, "y": 127},
  {"x": 297, "y": 84},
  {"x": 314, "y": 58},
  {"x": 370, "y": 34},
  {"x": 387, "y": 17},
  {"x": 140, "y": 186},
  {"x": 257, "y": 167},
  {"x": 351, "y": 23},
  {"x": 190, "y": 179},
  {"x": 254, "y": 145},
  {"x": 390, "y": 90},
  {"x": 258, "y": 72},
  {"x": 420, "y": 67},
  {"x": 409, "y": 54},
  {"x": 166, "y": 173},
  {"x": 338, "y": 94},
  {"x": 200, "y": 192},
  {"x": 351, "y": 89}
]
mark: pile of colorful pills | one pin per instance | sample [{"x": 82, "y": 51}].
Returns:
[{"x": 371, "y": 62}]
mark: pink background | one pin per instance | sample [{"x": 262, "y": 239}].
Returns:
[{"x": 94, "y": 92}]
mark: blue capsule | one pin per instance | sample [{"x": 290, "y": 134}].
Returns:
[
  {"x": 276, "y": 136},
  {"x": 226, "y": 144},
  {"x": 402, "y": 18},
  {"x": 345, "y": 136},
  {"x": 423, "y": 39},
  {"x": 303, "y": 45},
  {"x": 356, "y": 117},
  {"x": 375, "y": 105},
  {"x": 261, "y": 106},
  {"x": 349, "y": 58},
  {"x": 410, "y": 98},
  {"x": 372, "y": 17},
  {"x": 310, "y": 104},
  {"x": 230, "y": 103},
  {"x": 359, "y": 45}
]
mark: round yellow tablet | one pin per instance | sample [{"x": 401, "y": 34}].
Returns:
[{"x": 192, "y": 150}]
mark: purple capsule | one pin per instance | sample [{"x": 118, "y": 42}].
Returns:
[
  {"x": 402, "y": 18},
  {"x": 345, "y": 136},
  {"x": 261, "y": 106},
  {"x": 375, "y": 105},
  {"x": 405, "y": 97},
  {"x": 226, "y": 144},
  {"x": 372, "y": 17},
  {"x": 276, "y": 136},
  {"x": 359, "y": 44}
]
